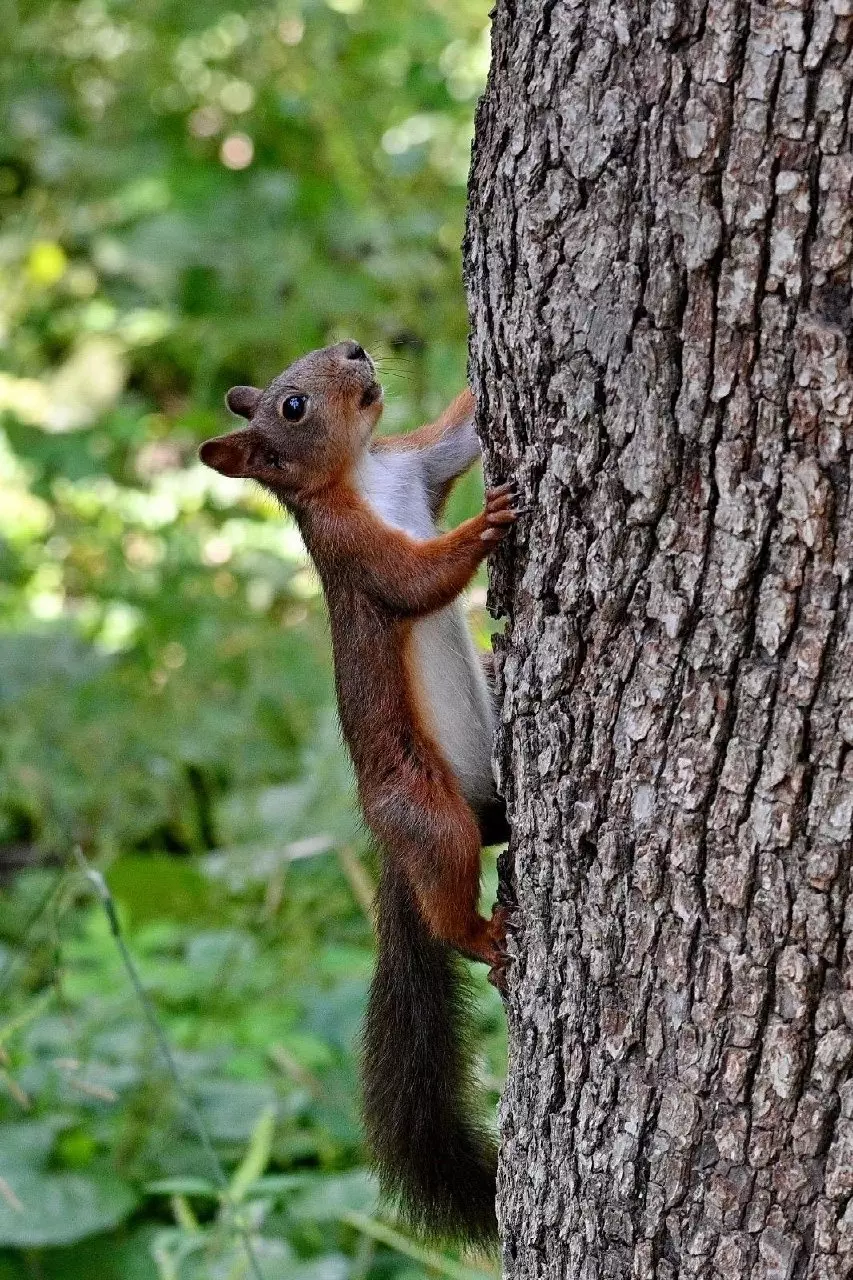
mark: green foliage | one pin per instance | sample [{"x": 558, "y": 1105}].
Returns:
[
  {"x": 54, "y": 1208},
  {"x": 260, "y": 993},
  {"x": 191, "y": 196}
]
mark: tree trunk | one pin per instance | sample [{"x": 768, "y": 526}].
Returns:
[{"x": 659, "y": 264}]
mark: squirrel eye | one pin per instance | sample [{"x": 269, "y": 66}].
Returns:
[{"x": 292, "y": 408}]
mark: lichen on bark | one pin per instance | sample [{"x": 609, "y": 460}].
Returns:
[{"x": 659, "y": 257}]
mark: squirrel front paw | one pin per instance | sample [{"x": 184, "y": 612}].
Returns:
[{"x": 500, "y": 512}]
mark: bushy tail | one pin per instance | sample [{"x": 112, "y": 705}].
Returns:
[{"x": 433, "y": 1159}]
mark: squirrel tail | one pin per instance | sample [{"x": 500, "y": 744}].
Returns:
[{"x": 437, "y": 1163}]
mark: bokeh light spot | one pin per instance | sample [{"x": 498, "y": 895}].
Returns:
[
  {"x": 205, "y": 122},
  {"x": 237, "y": 96},
  {"x": 237, "y": 151},
  {"x": 291, "y": 30},
  {"x": 46, "y": 262}
]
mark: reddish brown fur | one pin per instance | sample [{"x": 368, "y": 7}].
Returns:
[
  {"x": 376, "y": 580},
  {"x": 430, "y": 1151}
]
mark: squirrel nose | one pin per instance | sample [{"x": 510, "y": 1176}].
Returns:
[{"x": 356, "y": 352}]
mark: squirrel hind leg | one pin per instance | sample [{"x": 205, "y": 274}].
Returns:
[{"x": 434, "y": 838}]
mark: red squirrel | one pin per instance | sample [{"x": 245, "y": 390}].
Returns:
[{"x": 417, "y": 716}]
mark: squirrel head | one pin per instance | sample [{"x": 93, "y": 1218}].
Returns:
[{"x": 310, "y": 424}]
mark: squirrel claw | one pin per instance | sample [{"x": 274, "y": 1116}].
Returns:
[
  {"x": 500, "y": 511},
  {"x": 501, "y": 917},
  {"x": 498, "y": 976}
]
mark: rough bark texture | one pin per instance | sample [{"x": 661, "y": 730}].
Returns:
[{"x": 659, "y": 264}]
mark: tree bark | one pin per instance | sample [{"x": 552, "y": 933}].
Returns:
[{"x": 659, "y": 268}]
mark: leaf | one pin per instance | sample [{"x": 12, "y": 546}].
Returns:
[
  {"x": 331, "y": 1266},
  {"x": 332, "y": 1196},
  {"x": 182, "y": 1187},
  {"x": 256, "y": 1158},
  {"x": 60, "y": 1208},
  {"x": 27, "y": 1145},
  {"x": 230, "y": 1109},
  {"x": 276, "y": 1185},
  {"x": 208, "y": 1255}
]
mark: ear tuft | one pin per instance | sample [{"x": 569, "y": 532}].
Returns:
[{"x": 243, "y": 400}]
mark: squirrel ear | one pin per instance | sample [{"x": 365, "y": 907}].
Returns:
[
  {"x": 243, "y": 400},
  {"x": 229, "y": 455}
]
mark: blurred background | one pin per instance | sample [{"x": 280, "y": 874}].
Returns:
[{"x": 190, "y": 197}]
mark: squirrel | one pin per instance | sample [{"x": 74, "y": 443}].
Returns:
[{"x": 417, "y": 715}]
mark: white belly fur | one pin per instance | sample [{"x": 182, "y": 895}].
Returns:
[{"x": 456, "y": 700}]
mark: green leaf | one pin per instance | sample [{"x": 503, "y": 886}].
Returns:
[
  {"x": 231, "y": 1109},
  {"x": 280, "y": 1184},
  {"x": 332, "y": 1196},
  {"x": 182, "y": 1187},
  {"x": 27, "y": 1145},
  {"x": 256, "y": 1158},
  {"x": 60, "y": 1208}
]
